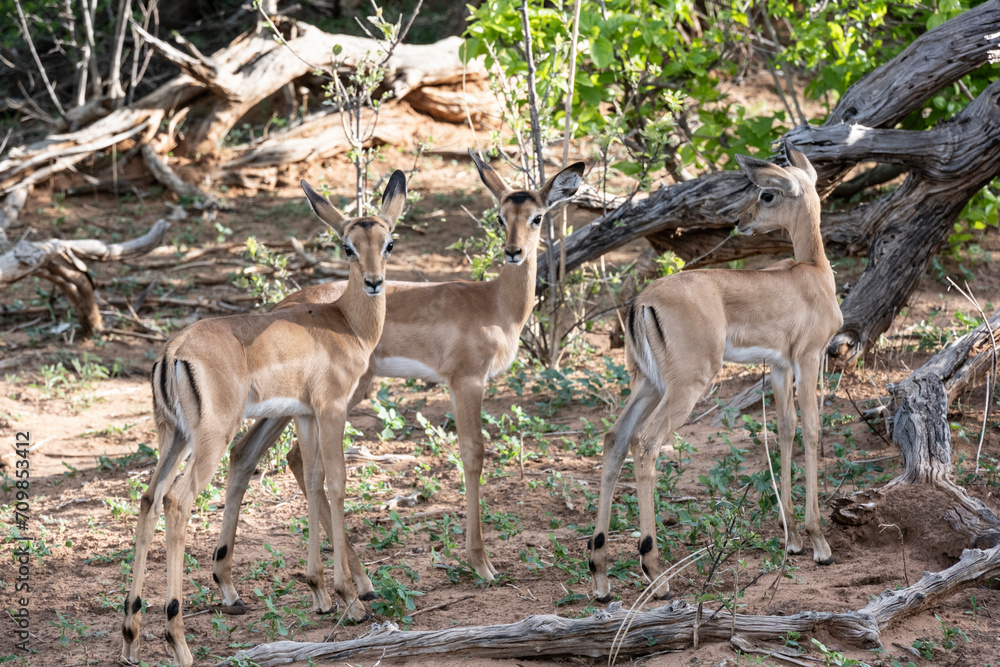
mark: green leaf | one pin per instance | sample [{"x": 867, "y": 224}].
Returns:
[{"x": 602, "y": 52}]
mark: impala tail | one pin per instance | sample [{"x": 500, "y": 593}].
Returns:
[{"x": 645, "y": 334}]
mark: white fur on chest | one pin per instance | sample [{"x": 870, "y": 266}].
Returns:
[
  {"x": 402, "y": 367},
  {"x": 275, "y": 407}
]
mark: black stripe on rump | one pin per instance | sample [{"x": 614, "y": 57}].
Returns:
[
  {"x": 194, "y": 385},
  {"x": 656, "y": 323},
  {"x": 630, "y": 322},
  {"x": 163, "y": 382},
  {"x": 152, "y": 379}
]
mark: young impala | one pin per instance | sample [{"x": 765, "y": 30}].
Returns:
[
  {"x": 459, "y": 333},
  {"x": 304, "y": 360},
  {"x": 682, "y": 327}
]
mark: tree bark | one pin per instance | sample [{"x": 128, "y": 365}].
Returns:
[
  {"x": 62, "y": 263},
  {"x": 900, "y": 231},
  {"x": 921, "y": 429},
  {"x": 670, "y": 627}
]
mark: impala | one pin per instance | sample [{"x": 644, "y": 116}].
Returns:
[
  {"x": 682, "y": 327},
  {"x": 458, "y": 333},
  {"x": 304, "y": 360}
]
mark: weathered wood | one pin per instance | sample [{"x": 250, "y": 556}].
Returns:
[
  {"x": 169, "y": 179},
  {"x": 411, "y": 66},
  {"x": 62, "y": 263},
  {"x": 447, "y": 105},
  {"x": 947, "y": 164},
  {"x": 326, "y": 139},
  {"x": 670, "y": 627},
  {"x": 207, "y": 71},
  {"x": 37, "y": 161},
  {"x": 921, "y": 429}
]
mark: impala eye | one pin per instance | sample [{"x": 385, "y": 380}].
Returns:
[
  {"x": 388, "y": 247},
  {"x": 348, "y": 251},
  {"x": 537, "y": 220},
  {"x": 766, "y": 197},
  {"x": 503, "y": 223}
]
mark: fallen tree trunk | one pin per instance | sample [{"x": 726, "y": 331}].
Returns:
[
  {"x": 694, "y": 217},
  {"x": 236, "y": 78},
  {"x": 670, "y": 627},
  {"x": 62, "y": 263}
]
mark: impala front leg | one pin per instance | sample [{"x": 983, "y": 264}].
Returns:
[
  {"x": 781, "y": 379},
  {"x": 809, "y": 375},
  {"x": 331, "y": 447},
  {"x": 315, "y": 497},
  {"x": 468, "y": 401},
  {"x": 361, "y": 581}
]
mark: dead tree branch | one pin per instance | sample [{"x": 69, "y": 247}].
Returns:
[
  {"x": 62, "y": 262},
  {"x": 670, "y": 627}
]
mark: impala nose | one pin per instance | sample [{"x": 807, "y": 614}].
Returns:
[
  {"x": 514, "y": 255},
  {"x": 374, "y": 286}
]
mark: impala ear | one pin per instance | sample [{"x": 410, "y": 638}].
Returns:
[
  {"x": 323, "y": 209},
  {"x": 798, "y": 159},
  {"x": 563, "y": 185},
  {"x": 393, "y": 199},
  {"x": 490, "y": 178},
  {"x": 766, "y": 175}
]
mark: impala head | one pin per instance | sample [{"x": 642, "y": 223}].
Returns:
[
  {"x": 784, "y": 193},
  {"x": 522, "y": 211},
  {"x": 367, "y": 240}
]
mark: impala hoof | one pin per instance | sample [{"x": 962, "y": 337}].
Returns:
[
  {"x": 604, "y": 599},
  {"x": 369, "y": 596},
  {"x": 235, "y": 609},
  {"x": 329, "y": 611},
  {"x": 826, "y": 561},
  {"x": 666, "y": 596}
]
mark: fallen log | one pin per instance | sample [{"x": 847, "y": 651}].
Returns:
[
  {"x": 946, "y": 165},
  {"x": 237, "y": 78},
  {"x": 62, "y": 263},
  {"x": 670, "y": 627},
  {"x": 307, "y": 48}
]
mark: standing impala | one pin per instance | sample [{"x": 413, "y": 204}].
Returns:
[
  {"x": 682, "y": 327},
  {"x": 304, "y": 360},
  {"x": 460, "y": 333}
]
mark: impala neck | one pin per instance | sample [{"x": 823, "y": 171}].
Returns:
[
  {"x": 807, "y": 242},
  {"x": 365, "y": 313},
  {"x": 516, "y": 290}
]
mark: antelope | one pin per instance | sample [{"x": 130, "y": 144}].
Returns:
[
  {"x": 459, "y": 333},
  {"x": 682, "y": 327},
  {"x": 304, "y": 360}
]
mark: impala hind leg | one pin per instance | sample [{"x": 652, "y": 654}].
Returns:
[
  {"x": 361, "y": 581},
  {"x": 207, "y": 450},
  {"x": 658, "y": 431},
  {"x": 171, "y": 445},
  {"x": 243, "y": 458},
  {"x": 781, "y": 379},
  {"x": 808, "y": 404},
  {"x": 467, "y": 396},
  {"x": 641, "y": 402}
]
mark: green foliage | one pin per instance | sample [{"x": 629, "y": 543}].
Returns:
[
  {"x": 272, "y": 287},
  {"x": 396, "y": 601}
]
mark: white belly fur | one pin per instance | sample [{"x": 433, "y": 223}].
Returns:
[
  {"x": 401, "y": 367},
  {"x": 755, "y": 355},
  {"x": 275, "y": 407}
]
